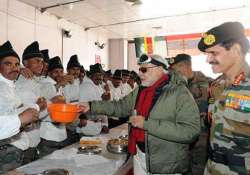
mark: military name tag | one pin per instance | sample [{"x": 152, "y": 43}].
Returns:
[{"x": 238, "y": 101}]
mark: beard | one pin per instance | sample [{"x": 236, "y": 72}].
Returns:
[{"x": 146, "y": 83}]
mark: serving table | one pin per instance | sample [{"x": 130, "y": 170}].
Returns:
[{"x": 105, "y": 163}]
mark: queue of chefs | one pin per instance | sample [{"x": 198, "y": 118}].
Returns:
[{"x": 26, "y": 129}]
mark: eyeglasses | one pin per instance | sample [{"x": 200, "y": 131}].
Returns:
[{"x": 145, "y": 69}]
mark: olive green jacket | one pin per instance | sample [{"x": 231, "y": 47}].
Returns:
[{"x": 173, "y": 123}]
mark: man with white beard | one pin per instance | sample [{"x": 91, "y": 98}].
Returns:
[{"x": 165, "y": 119}]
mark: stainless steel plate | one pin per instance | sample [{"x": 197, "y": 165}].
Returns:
[
  {"x": 56, "y": 171},
  {"x": 89, "y": 150}
]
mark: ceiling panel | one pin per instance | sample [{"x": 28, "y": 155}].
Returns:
[
  {"x": 45, "y": 3},
  {"x": 85, "y": 22},
  {"x": 83, "y": 8},
  {"x": 117, "y": 16},
  {"x": 107, "y": 5},
  {"x": 63, "y": 12}
]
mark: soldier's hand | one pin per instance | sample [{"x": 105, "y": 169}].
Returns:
[
  {"x": 42, "y": 103},
  {"x": 28, "y": 74},
  {"x": 137, "y": 121},
  {"x": 84, "y": 107},
  {"x": 28, "y": 116}
]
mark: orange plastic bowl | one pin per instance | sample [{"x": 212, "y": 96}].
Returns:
[{"x": 63, "y": 113}]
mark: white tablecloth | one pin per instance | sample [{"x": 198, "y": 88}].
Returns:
[{"x": 79, "y": 164}]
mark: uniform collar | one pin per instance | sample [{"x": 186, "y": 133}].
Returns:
[
  {"x": 49, "y": 80},
  {"x": 9, "y": 82}
]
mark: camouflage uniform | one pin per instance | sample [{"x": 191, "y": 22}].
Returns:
[
  {"x": 230, "y": 131},
  {"x": 198, "y": 86},
  {"x": 215, "y": 90}
]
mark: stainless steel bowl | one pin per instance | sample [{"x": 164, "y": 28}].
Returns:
[{"x": 118, "y": 146}]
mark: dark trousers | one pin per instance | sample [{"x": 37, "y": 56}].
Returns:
[
  {"x": 199, "y": 156},
  {"x": 30, "y": 155},
  {"x": 46, "y": 147},
  {"x": 10, "y": 158}
]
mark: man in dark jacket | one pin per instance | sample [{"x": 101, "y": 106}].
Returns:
[{"x": 165, "y": 119}]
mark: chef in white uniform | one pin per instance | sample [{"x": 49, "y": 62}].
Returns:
[
  {"x": 46, "y": 57},
  {"x": 71, "y": 93},
  {"x": 14, "y": 112},
  {"x": 132, "y": 80},
  {"x": 115, "y": 85},
  {"x": 29, "y": 90},
  {"x": 53, "y": 135},
  {"x": 116, "y": 94},
  {"x": 92, "y": 90},
  {"x": 125, "y": 88}
]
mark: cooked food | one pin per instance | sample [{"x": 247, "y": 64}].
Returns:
[
  {"x": 90, "y": 142},
  {"x": 118, "y": 142}
]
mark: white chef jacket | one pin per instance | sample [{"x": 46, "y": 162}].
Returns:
[
  {"x": 11, "y": 105},
  {"x": 71, "y": 91},
  {"x": 9, "y": 125},
  {"x": 126, "y": 89},
  {"x": 91, "y": 92},
  {"x": 116, "y": 93},
  {"x": 48, "y": 130},
  {"x": 29, "y": 91},
  {"x": 86, "y": 79}
]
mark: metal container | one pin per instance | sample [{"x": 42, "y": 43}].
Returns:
[{"x": 118, "y": 146}]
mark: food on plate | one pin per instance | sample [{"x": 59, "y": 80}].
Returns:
[{"x": 94, "y": 141}]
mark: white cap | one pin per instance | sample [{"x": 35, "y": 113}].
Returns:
[{"x": 153, "y": 59}]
